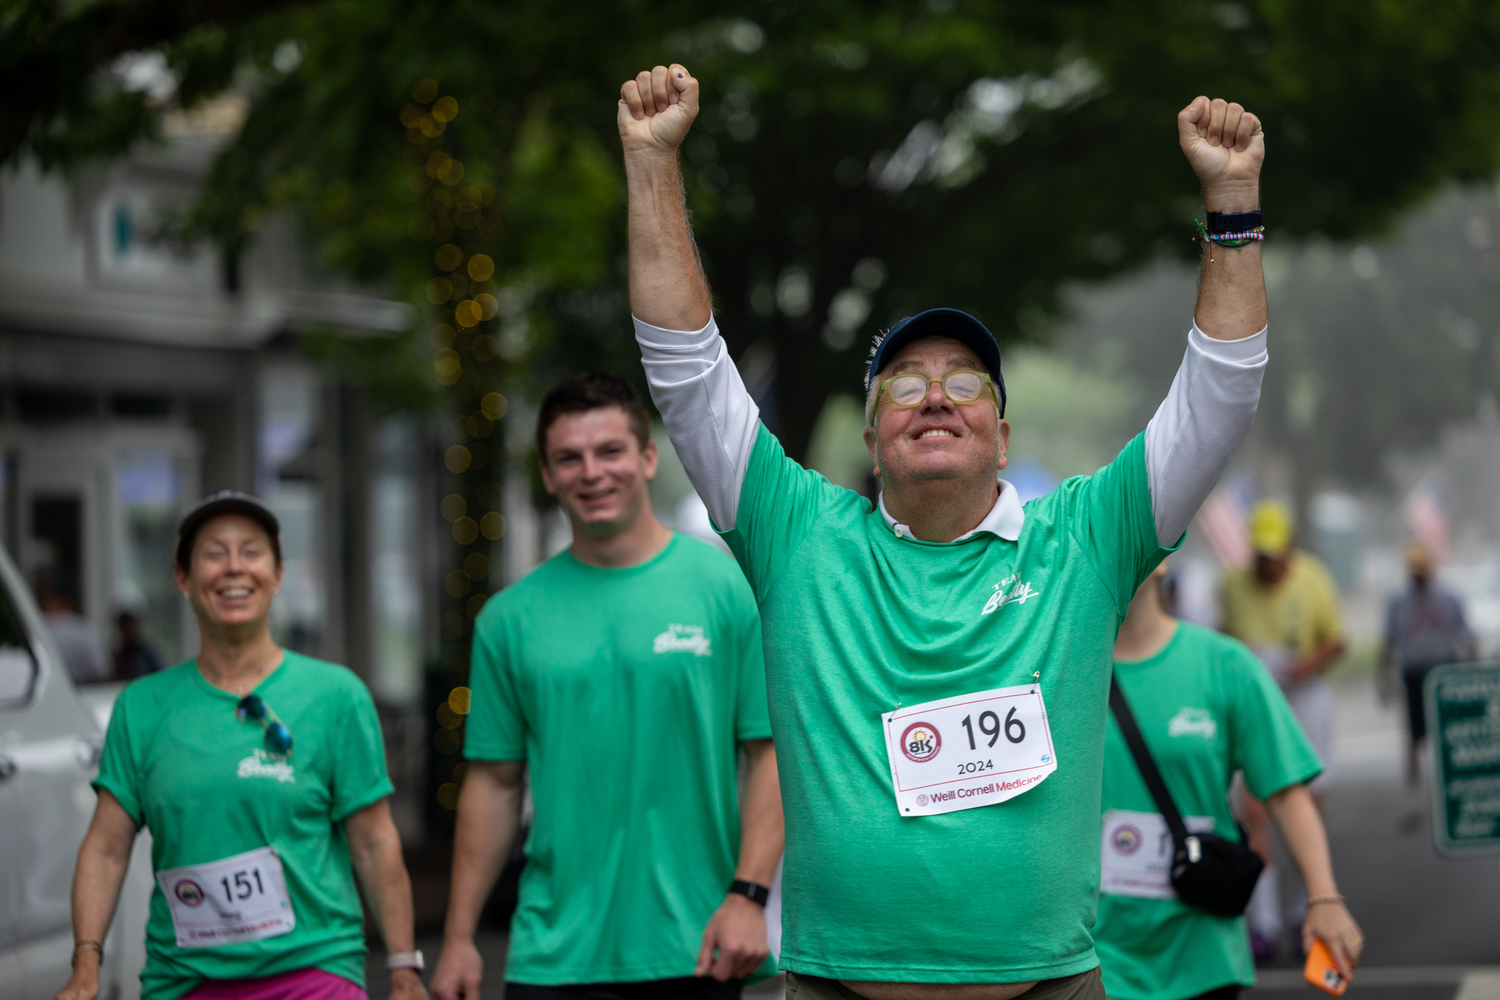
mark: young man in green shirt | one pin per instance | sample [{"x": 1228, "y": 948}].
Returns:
[
  {"x": 939, "y": 666},
  {"x": 623, "y": 675},
  {"x": 1206, "y": 709}
]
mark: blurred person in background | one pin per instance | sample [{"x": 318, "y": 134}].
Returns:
[
  {"x": 261, "y": 776},
  {"x": 622, "y": 677},
  {"x": 1285, "y": 607},
  {"x": 134, "y": 657},
  {"x": 82, "y": 653},
  {"x": 949, "y": 597},
  {"x": 1424, "y": 628},
  {"x": 1206, "y": 709}
]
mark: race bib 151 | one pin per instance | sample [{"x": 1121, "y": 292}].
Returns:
[{"x": 242, "y": 898}]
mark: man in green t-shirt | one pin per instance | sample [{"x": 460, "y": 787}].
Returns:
[
  {"x": 624, "y": 675},
  {"x": 938, "y": 666}
]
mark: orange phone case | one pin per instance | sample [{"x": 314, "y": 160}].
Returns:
[{"x": 1321, "y": 972}]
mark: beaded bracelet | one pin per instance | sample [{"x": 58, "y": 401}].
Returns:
[
  {"x": 1331, "y": 898},
  {"x": 1231, "y": 240}
]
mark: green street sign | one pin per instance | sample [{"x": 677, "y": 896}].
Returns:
[{"x": 1463, "y": 723}]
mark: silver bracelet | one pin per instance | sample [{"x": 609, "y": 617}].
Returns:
[{"x": 405, "y": 960}]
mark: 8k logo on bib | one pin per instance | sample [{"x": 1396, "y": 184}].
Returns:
[
  {"x": 921, "y": 742},
  {"x": 1127, "y": 839}
]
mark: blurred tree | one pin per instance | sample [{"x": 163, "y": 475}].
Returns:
[{"x": 854, "y": 162}]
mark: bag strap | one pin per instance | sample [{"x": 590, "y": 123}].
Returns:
[{"x": 1145, "y": 763}]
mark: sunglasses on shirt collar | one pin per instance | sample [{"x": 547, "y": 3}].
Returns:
[{"x": 252, "y": 708}]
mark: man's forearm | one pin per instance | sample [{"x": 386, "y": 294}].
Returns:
[
  {"x": 762, "y": 828},
  {"x": 667, "y": 287},
  {"x": 489, "y": 818},
  {"x": 1301, "y": 827},
  {"x": 1232, "y": 288}
]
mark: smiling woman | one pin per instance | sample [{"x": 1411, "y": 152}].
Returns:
[{"x": 282, "y": 761}]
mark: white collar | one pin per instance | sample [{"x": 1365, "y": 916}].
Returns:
[{"x": 1004, "y": 519}]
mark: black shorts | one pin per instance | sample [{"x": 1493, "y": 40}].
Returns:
[
  {"x": 1416, "y": 712},
  {"x": 686, "y": 988}
]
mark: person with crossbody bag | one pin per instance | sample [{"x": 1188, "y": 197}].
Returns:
[{"x": 1188, "y": 708}]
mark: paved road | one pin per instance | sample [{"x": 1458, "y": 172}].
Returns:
[{"x": 1432, "y": 925}]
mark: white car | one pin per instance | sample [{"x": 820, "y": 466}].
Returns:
[{"x": 50, "y": 737}]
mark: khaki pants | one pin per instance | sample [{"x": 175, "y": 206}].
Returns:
[{"x": 1084, "y": 986}]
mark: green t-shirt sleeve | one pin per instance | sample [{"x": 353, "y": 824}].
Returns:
[
  {"x": 118, "y": 773},
  {"x": 1112, "y": 520},
  {"x": 1267, "y": 742},
  {"x": 752, "y": 719},
  {"x": 779, "y": 503},
  {"x": 496, "y": 728},
  {"x": 359, "y": 774}
]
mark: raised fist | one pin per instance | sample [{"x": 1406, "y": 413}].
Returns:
[
  {"x": 1226, "y": 147},
  {"x": 657, "y": 108}
]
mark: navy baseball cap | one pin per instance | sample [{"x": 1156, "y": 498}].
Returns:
[{"x": 941, "y": 322}]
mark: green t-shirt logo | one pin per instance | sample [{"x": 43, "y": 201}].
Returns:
[
  {"x": 684, "y": 639},
  {"x": 263, "y": 764},
  {"x": 1193, "y": 722},
  {"x": 1019, "y": 593}
]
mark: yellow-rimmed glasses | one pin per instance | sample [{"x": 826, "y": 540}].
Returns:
[{"x": 907, "y": 391}]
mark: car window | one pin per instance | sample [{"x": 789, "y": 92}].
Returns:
[{"x": 17, "y": 665}]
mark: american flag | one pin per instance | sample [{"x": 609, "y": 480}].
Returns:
[
  {"x": 1222, "y": 522},
  {"x": 1424, "y": 516}
]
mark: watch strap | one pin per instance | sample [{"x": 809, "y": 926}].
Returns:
[
  {"x": 405, "y": 960},
  {"x": 753, "y": 891},
  {"x": 1233, "y": 222}
]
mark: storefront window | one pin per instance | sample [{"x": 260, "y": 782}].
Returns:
[{"x": 148, "y": 492}]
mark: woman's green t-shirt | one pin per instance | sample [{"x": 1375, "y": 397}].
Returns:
[
  {"x": 1206, "y": 708},
  {"x": 184, "y": 766}
]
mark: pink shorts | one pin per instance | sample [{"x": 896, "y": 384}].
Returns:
[{"x": 303, "y": 984}]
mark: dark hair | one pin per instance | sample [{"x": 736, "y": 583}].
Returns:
[{"x": 591, "y": 391}]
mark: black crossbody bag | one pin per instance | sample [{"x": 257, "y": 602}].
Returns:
[{"x": 1208, "y": 871}]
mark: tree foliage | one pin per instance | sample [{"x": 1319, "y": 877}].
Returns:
[{"x": 855, "y": 161}]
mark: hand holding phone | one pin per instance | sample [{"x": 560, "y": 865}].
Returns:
[{"x": 1321, "y": 972}]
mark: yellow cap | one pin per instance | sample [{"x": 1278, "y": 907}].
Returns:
[{"x": 1271, "y": 528}]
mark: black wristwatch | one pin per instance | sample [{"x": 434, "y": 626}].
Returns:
[
  {"x": 1233, "y": 222},
  {"x": 753, "y": 891}
]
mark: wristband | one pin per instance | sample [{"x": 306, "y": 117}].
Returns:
[
  {"x": 1330, "y": 898},
  {"x": 405, "y": 960},
  {"x": 753, "y": 891},
  {"x": 1233, "y": 222}
]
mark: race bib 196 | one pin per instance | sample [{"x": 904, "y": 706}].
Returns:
[
  {"x": 968, "y": 751},
  {"x": 1135, "y": 857},
  {"x": 242, "y": 898}
]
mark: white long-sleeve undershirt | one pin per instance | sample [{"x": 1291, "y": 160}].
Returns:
[{"x": 713, "y": 421}]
